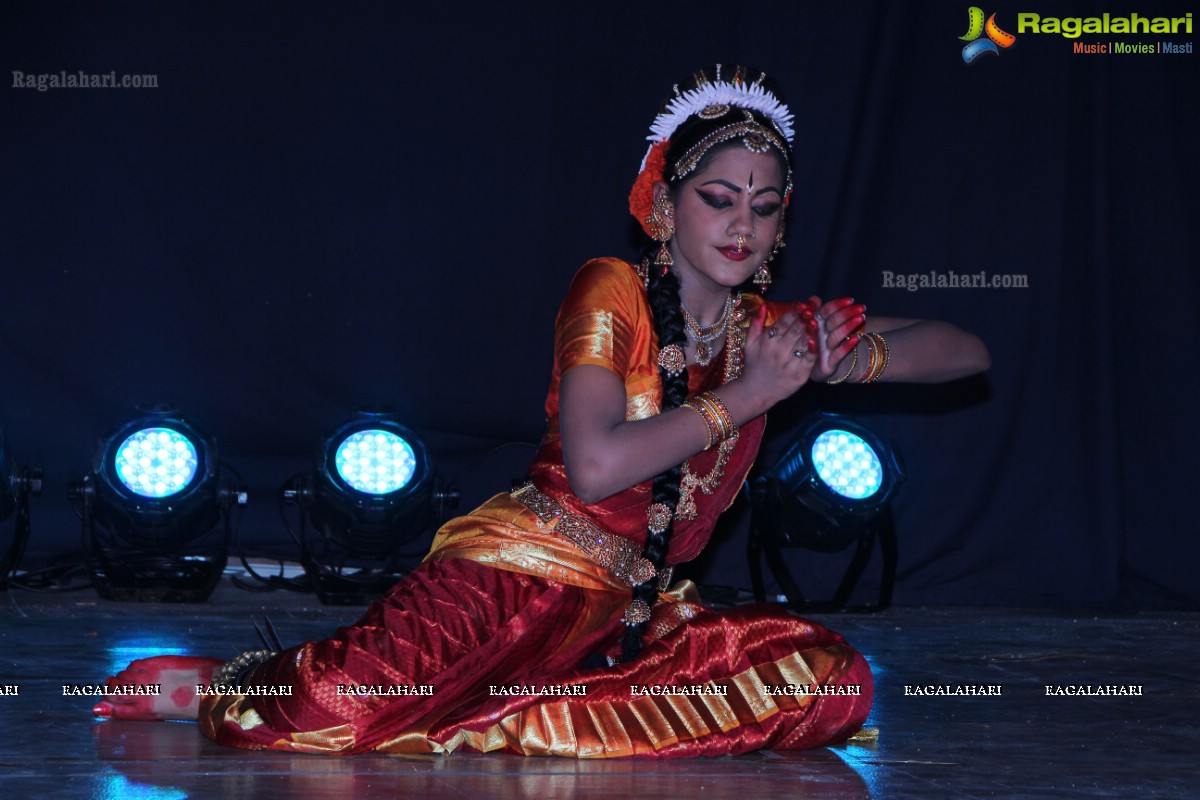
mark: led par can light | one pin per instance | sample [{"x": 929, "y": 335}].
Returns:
[
  {"x": 8, "y": 497},
  {"x": 17, "y": 484},
  {"x": 834, "y": 478},
  {"x": 831, "y": 488},
  {"x": 152, "y": 509},
  {"x": 373, "y": 487},
  {"x": 367, "y": 501},
  {"x": 156, "y": 479}
]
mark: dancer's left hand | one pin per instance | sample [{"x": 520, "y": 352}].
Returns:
[{"x": 839, "y": 324}]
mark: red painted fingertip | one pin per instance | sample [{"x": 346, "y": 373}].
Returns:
[
  {"x": 758, "y": 322},
  {"x": 103, "y": 709}
]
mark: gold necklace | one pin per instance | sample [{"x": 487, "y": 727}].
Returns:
[
  {"x": 702, "y": 338},
  {"x": 735, "y": 341}
]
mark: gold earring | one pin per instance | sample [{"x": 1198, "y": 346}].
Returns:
[
  {"x": 762, "y": 276},
  {"x": 662, "y": 229},
  {"x": 661, "y": 221},
  {"x": 663, "y": 260}
]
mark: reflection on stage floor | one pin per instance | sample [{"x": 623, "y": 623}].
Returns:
[{"x": 969, "y": 703}]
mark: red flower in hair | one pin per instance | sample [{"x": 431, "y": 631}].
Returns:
[{"x": 641, "y": 198}]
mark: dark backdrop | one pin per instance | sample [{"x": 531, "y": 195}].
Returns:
[{"x": 323, "y": 205}]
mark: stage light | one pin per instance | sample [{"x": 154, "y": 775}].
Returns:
[
  {"x": 372, "y": 492},
  {"x": 157, "y": 510},
  {"x": 847, "y": 464},
  {"x": 832, "y": 487},
  {"x": 375, "y": 462},
  {"x": 17, "y": 484},
  {"x": 156, "y": 462}
]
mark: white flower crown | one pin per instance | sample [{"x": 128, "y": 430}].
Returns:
[{"x": 716, "y": 93}]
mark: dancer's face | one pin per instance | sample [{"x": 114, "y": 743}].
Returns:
[{"x": 736, "y": 192}]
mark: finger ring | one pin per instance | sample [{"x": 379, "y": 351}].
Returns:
[
  {"x": 771, "y": 334},
  {"x": 798, "y": 353}
]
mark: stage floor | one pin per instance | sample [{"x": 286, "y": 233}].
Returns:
[{"x": 1020, "y": 743}]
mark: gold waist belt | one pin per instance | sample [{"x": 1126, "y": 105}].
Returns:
[{"x": 620, "y": 556}]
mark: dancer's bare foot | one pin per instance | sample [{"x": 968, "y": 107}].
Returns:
[{"x": 176, "y": 676}]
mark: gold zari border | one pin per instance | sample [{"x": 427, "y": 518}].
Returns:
[{"x": 620, "y": 556}]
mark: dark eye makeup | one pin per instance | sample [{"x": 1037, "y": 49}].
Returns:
[
  {"x": 720, "y": 201},
  {"x": 714, "y": 200}
]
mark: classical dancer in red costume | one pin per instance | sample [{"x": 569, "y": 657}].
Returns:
[{"x": 545, "y": 622}]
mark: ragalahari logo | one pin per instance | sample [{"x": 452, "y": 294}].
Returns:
[{"x": 976, "y": 27}]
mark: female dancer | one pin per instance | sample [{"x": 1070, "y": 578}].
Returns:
[{"x": 544, "y": 622}]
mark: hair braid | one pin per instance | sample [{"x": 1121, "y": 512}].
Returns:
[
  {"x": 699, "y": 135},
  {"x": 663, "y": 294}
]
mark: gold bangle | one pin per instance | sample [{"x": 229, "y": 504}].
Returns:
[
  {"x": 717, "y": 419},
  {"x": 880, "y": 363},
  {"x": 721, "y": 413},
  {"x": 853, "y": 364},
  {"x": 709, "y": 423},
  {"x": 887, "y": 355},
  {"x": 872, "y": 356}
]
